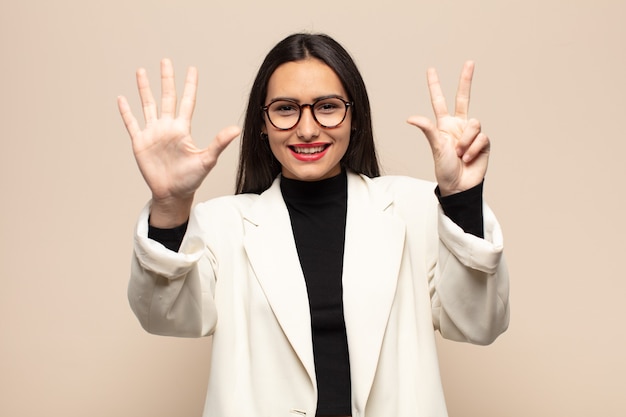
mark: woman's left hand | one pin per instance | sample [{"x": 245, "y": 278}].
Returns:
[{"x": 460, "y": 149}]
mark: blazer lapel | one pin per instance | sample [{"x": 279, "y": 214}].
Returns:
[
  {"x": 270, "y": 246},
  {"x": 372, "y": 257}
]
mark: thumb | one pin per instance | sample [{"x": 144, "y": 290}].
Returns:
[
  {"x": 224, "y": 138},
  {"x": 427, "y": 127},
  {"x": 221, "y": 141}
]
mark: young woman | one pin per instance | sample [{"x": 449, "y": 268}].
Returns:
[{"x": 320, "y": 281}]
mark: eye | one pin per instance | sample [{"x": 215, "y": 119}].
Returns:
[
  {"x": 328, "y": 106},
  {"x": 284, "y": 108}
]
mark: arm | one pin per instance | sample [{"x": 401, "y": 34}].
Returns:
[
  {"x": 167, "y": 290},
  {"x": 171, "y": 238},
  {"x": 171, "y": 293},
  {"x": 468, "y": 278},
  {"x": 465, "y": 209},
  {"x": 469, "y": 282}
]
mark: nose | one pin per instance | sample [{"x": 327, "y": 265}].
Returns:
[{"x": 307, "y": 128}]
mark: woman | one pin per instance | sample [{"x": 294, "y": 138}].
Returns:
[{"x": 320, "y": 281}]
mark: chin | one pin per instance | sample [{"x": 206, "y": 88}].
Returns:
[{"x": 310, "y": 174}]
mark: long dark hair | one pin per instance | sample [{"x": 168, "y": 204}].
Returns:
[{"x": 257, "y": 165}]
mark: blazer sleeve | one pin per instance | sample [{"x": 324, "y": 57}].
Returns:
[
  {"x": 469, "y": 282},
  {"x": 171, "y": 293}
]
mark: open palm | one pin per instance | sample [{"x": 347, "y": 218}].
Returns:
[{"x": 168, "y": 158}]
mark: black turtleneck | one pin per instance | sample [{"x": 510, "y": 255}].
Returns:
[{"x": 318, "y": 218}]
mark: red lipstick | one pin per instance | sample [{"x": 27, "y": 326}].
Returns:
[{"x": 309, "y": 152}]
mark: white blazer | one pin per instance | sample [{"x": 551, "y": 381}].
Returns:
[{"x": 408, "y": 269}]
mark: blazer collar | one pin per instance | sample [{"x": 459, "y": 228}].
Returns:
[{"x": 372, "y": 257}]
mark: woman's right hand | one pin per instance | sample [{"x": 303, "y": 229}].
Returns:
[{"x": 171, "y": 164}]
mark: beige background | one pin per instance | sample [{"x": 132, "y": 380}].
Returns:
[{"x": 549, "y": 88}]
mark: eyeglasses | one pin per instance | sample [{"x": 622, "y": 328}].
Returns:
[{"x": 328, "y": 112}]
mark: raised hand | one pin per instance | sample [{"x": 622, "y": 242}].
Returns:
[
  {"x": 170, "y": 162},
  {"x": 460, "y": 149}
]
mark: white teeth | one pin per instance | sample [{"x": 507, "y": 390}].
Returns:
[{"x": 311, "y": 150}]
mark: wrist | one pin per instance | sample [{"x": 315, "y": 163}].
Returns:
[{"x": 170, "y": 212}]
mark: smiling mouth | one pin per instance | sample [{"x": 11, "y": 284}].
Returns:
[{"x": 309, "y": 150}]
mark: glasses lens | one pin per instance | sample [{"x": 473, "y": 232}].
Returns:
[
  {"x": 329, "y": 112},
  {"x": 283, "y": 114}
]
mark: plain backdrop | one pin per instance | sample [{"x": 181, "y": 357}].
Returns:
[{"x": 549, "y": 89}]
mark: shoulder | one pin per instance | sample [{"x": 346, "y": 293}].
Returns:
[
  {"x": 409, "y": 198},
  {"x": 235, "y": 208},
  {"x": 401, "y": 183},
  {"x": 399, "y": 186},
  {"x": 219, "y": 222},
  {"x": 225, "y": 206}
]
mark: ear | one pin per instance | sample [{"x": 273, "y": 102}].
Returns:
[{"x": 264, "y": 123}]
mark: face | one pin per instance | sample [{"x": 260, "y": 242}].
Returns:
[{"x": 308, "y": 151}]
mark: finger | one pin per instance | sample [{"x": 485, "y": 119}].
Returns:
[
  {"x": 428, "y": 128},
  {"x": 437, "y": 99},
  {"x": 463, "y": 91},
  {"x": 479, "y": 146},
  {"x": 168, "y": 89},
  {"x": 188, "y": 101},
  {"x": 471, "y": 130},
  {"x": 221, "y": 141},
  {"x": 145, "y": 94},
  {"x": 127, "y": 116}
]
